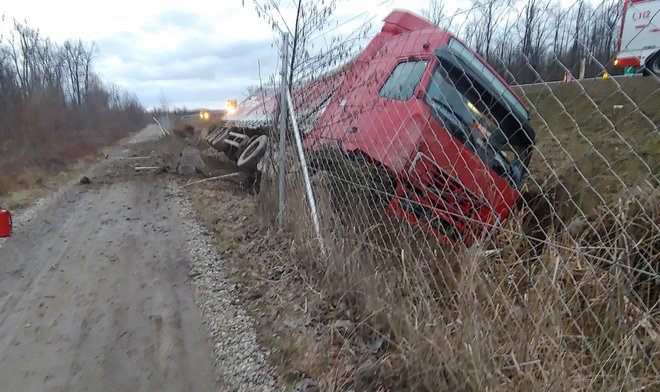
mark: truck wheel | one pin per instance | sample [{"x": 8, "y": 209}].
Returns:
[
  {"x": 252, "y": 153},
  {"x": 653, "y": 65},
  {"x": 212, "y": 135},
  {"x": 219, "y": 140}
]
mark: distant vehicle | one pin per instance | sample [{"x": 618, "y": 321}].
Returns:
[
  {"x": 639, "y": 37},
  {"x": 452, "y": 137},
  {"x": 204, "y": 114},
  {"x": 5, "y": 223},
  {"x": 232, "y": 104}
]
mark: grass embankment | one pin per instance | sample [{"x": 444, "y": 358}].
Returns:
[{"x": 597, "y": 136}]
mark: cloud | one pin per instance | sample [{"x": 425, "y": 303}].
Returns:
[
  {"x": 179, "y": 18},
  {"x": 191, "y": 74},
  {"x": 190, "y": 93},
  {"x": 194, "y": 51},
  {"x": 186, "y": 56},
  {"x": 218, "y": 68}
]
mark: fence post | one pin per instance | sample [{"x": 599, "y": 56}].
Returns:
[
  {"x": 284, "y": 87},
  {"x": 308, "y": 182}
]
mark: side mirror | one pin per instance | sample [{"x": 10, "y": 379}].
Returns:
[{"x": 5, "y": 223}]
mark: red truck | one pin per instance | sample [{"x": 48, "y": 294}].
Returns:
[{"x": 453, "y": 137}]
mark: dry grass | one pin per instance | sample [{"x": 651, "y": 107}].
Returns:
[
  {"x": 392, "y": 311},
  {"x": 31, "y": 184},
  {"x": 387, "y": 309}
]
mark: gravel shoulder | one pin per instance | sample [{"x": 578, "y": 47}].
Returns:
[{"x": 100, "y": 286}]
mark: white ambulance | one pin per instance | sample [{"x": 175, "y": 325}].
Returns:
[{"x": 639, "y": 39}]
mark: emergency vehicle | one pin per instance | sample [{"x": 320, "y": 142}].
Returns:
[{"x": 639, "y": 37}]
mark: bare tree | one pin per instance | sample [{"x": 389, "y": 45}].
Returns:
[
  {"x": 436, "y": 12},
  {"x": 315, "y": 43},
  {"x": 487, "y": 15},
  {"x": 48, "y": 90},
  {"x": 21, "y": 50},
  {"x": 606, "y": 20},
  {"x": 579, "y": 17},
  {"x": 164, "y": 102},
  {"x": 78, "y": 59}
]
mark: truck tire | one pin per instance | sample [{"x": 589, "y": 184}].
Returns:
[
  {"x": 653, "y": 65},
  {"x": 252, "y": 153},
  {"x": 212, "y": 135},
  {"x": 219, "y": 140}
]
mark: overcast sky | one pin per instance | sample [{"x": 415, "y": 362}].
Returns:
[{"x": 193, "y": 53}]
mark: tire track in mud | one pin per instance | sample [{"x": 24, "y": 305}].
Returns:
[{"x": 97, "y": 291}]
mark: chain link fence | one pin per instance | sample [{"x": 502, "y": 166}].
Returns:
[{"x": 495, "y": 227}]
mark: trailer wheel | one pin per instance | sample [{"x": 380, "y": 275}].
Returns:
[{"x": 252, "y": 153}]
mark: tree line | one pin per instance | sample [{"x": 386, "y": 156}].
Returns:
[
  {"x": 533, "y": 40},
  {"x": 51, "y": 95}
]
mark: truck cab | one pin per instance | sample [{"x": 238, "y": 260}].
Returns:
[{"x": 453, "y": 135}]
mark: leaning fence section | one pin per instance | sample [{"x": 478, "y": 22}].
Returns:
[{"x": 492, "y": 209}]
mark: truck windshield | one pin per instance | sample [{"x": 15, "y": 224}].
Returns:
[
  {"x": 478, "y": 120},
  {"x": 460, "y": 51}
]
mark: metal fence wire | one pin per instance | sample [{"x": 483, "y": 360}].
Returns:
[{"x": 498, "y": 223}]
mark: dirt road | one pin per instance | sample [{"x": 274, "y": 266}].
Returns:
[{"x": 95, "y": 293}]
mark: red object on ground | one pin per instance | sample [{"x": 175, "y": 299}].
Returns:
[{"x": 5, "y": 223}]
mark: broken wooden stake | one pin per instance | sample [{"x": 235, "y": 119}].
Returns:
[
  {"x": 213, "y": 178},
  {"x": 141, "y": 168}
]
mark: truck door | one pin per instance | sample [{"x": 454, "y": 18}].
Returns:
[{"x": 389, "y": 127}]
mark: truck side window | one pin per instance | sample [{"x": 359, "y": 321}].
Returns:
[{"x": 403, "y": 80}]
